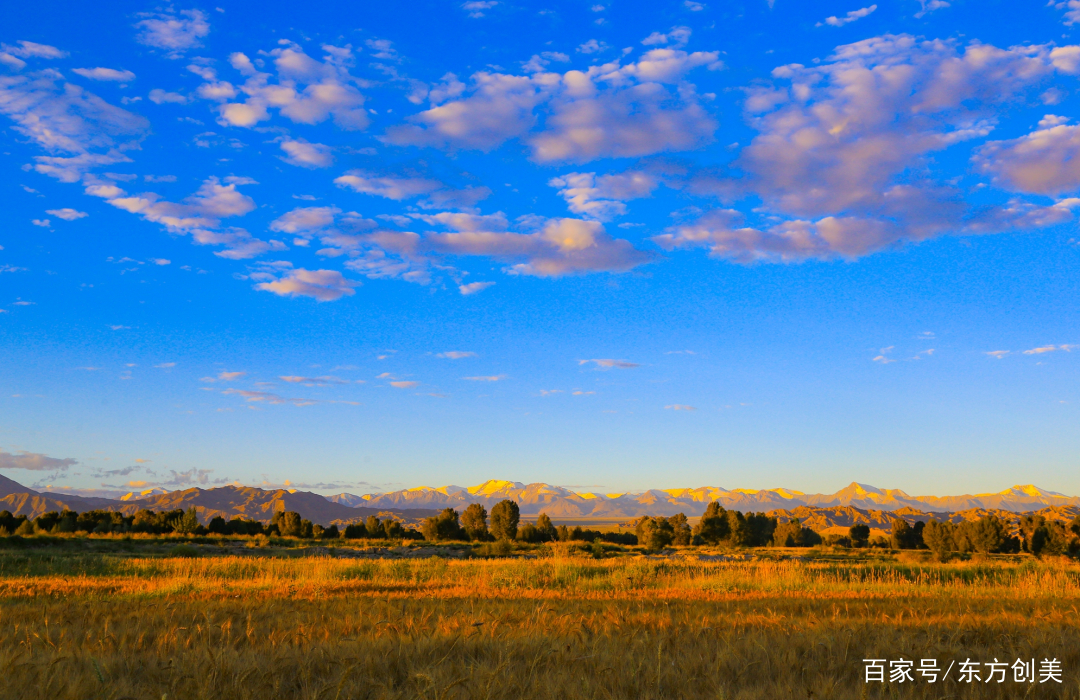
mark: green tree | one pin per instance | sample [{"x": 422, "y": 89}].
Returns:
[
  {"x": 654, "y": 533},
  {"x": 355, "y": 531},
  {"x": 528, "y": 533},
  {"x": 374, "y": 527},
  {"x": 938, "y": 536},
  {"x": 680, "y": 528},
  {"x": 988, "y": 534},
  {"x": 504, "y": 520},
  {"x": 901, "y": 534},
  {"x": 546, "y": 529},
  {"x": 392, "y": 529},
  {"x": 217, "y": 525},
  {"x": 289, "y": 524},
  {"x": 860, "y": 535},
  {"x": 444, "y": 526},
  {"x": 474, "y": 522},
  {"x": 186, "y": 524},
  {"x": 713, "y": 528}
]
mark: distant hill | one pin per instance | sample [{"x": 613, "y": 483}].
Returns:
[
  {"x": 559, "y": 502},
  {"x": 854, "y": 503},
  {"x": 226, "y": 501}
]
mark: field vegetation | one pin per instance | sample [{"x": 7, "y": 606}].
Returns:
[
  {"x": 159, "y": 606},
  {"x": 114, "y": 617}
]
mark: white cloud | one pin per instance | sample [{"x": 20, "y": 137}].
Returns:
[
  {"x": 929, "y": 6},
  {"x": 67, "y": 214},
  {"x": 500, "y": 107},
  {"x": 435, "y": 193},
  {"x": 610, "y": 364},
  {"x": 677, "y": 37},
  {"x": 34, "y": 461},
  {"x": 321, "y": 285},
  {"x": 63, "y": 118},
  {"x": 173, "y": 32},
  {"x": 476, "y": 8},
  {"x": 455, "y": 355},
  {"x": 395, "y": 188},
  {"x": 560, "y": 247},
  {"x": 608, "y": 110},
  {"x": 307, "y": 155},
  {"x": 593, "y": 46},
  {"x": 404, "y": 384},
  {"x": 680, "y": 407},
  {"x": 474, "y": 287},
  {"x": 160, "y": 261},
  {"x": 602, "y": 198},
  {"x": 491, "y": 378},
  {"x": 43, "y": 223},
  {"x": 106, "y": 74},
  {"x": 307, "y": 91},
  {"x": 838, "y": 141},
  {"x": 1046, "y": 161},
  {"x": 158, "y": 96},
  {"x": 305, "y": 220},
  {"x": 1050, "y": 348},
  {"x": 849, "y": 17},
  {"x": 1072, "y": 11},
  {"x": 198, "y": 215},
  {"x": 29, "y": 49}
]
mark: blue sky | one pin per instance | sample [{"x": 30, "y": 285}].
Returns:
[{"x": 609, "y": 246}]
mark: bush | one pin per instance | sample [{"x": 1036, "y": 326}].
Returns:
[{"x": 186, "y": 551}]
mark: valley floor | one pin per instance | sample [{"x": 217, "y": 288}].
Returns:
[{"x": 559, "y": 624}]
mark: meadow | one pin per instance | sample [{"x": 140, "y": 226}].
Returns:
[{"x": 553, "y": 621}]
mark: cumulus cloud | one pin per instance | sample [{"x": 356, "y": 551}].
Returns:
[
  {"x": 473, "y": 287},
  {"x": 560, "y": 247},
  {"x": 321, "y": 285},
  {"x": 173, "y": 32},
  {"x": 1045, "y": 161},
  {"x": 837, "y": 142},
  {"x": 106, "y": 74},
  {"x": 607, "y": 110},
  {"x": 313, "y": 381},
  {"x": 306, "y": 90},
  {"x": 307, "y": 155},
  {"x": 1050, "y": 348},
  {"x": 610, "y": 364},
  {"x": 602, "y": 197},
  {"x": 849, "y": 17},
  {"x": 198, "y": 215},
  {"x": 477, "y": 8},
  {"x": 159, "y": 97},
  {"x": 67, "y": 214},
  {"x": 302, "y": 220},
  {"x": 34, "y": 461},
  {"x": 81, "y": 130},
  {"x": 500, "y": 107},
  {"x": 434, "y": 192}
]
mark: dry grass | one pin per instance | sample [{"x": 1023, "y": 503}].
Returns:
[{"x": 103, "y": 626}]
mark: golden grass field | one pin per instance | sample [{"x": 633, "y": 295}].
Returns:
[{"x": 559, "y": 625}]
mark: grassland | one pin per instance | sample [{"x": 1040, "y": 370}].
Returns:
[{"x": 553, "y": 622}]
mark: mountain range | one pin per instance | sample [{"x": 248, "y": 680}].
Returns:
[
  {"x": 412, "y": 505},
  {"x": 560, "y": 502}
]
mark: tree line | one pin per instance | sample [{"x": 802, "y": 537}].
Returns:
[{"x": 717, "y": 527}]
